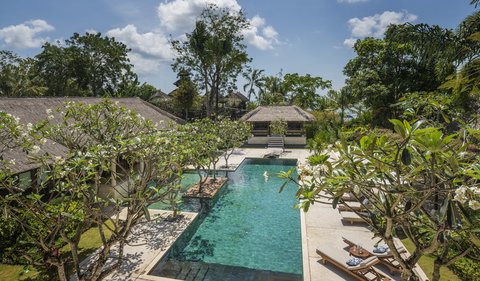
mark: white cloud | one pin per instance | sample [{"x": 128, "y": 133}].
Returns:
[
  {"x": 350, "y": 42},
  {"x": 25, "y": 35},
  {"x": 148, "y": 49},
  {"x": 151, "y": 50},
  {"x": 180, "y": 15},
  {"x": 260, "y": 36},
  {"x": 91, "y": 31},
  {"x": 376, "y": 25},
  {"x": 351, "y": 1}
]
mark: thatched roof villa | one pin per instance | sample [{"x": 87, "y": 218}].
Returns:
[{"x": 262, "y": 116}]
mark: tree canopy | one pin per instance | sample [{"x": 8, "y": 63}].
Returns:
[{"x": 214, "y": 52}]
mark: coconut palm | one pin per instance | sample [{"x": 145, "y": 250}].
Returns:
[{"x": 255, "y": 79}]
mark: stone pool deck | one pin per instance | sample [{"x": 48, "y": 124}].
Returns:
[{"x": 147, "y": 244}]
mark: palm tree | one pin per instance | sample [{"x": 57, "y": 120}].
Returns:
[{"x": 255, "y": 79}]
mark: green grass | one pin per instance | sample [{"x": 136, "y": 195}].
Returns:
[
  {"x": 16, "y": 272},
  {"x": 426, "y": 263},
  {"x": 89, "y": 242}
]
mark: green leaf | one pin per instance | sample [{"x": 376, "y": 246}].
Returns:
[
  {"x": 406, "y": 157},
  {"x": 282, "y": 187},
  {"x": 335, "y": 202},
  {"x": 399, "y": 127}
]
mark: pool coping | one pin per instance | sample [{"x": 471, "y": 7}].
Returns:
[
  {"x": 158, "y": 258},
  {"x": 305, "y": 264},
  {"x": 305, "y": 258}
]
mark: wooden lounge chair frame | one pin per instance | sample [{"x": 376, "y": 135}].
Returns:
[
  {"x": 350, "y": 206},
  {"x": 347, "y": 197},
  {"x": 351, "y": 217},
  {"x": 386, "y": 259},
  {"x": 358, "y": 272}
]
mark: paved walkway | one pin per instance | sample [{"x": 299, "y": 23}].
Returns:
[{"x": 147, "y": 244}]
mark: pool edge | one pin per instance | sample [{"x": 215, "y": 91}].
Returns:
[
  {"x": 305, "y": 258},
  {"x": 145, "y": 272}
]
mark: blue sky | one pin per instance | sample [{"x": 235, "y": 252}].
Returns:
[{"x": 304, "y": 36}]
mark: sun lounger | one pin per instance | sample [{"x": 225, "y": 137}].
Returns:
[
  {"x": 348, "y": 197},
  {"x": 352, "y": 217},
  {"x": 363, "y": 271},
  {"x": 349, "y": 206},
  {"x": 386, "y": 258}
]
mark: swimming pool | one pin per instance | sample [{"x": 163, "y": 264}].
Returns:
[{"x": 251, "y": 229}]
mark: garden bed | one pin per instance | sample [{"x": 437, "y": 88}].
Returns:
[{"x": 209, "y": 188}]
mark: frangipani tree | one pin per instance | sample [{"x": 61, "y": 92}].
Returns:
[
  {"x": 233, "y": 135},
  {"x": 53, "y": 210},
  {"x": 420, "y": 182},
  {"x": 66, "y": 202},
  {"x": 202, "y": 136}
]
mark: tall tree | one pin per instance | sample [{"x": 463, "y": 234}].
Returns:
[
  {"x": 18, "y": 76},
  {"x": 410, "y": 58},
  {"x": 213, "y": 52},
  {"x": 255, "y": 79},
  {"x": 185, "y": 95},
  {"x": 87, "y": 65},
  {"x": 341, "y": 100},
  {"x": 302, "y": 89}
]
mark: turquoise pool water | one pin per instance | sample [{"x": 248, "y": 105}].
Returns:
[
  {"x": 251, "y": 225},
  {"x": 188, "y": 180}
]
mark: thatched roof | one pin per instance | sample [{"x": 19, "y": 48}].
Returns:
[
  {"x": 159, "y": 95},
  {"x": 272, "y": 113},
  {"x": 22, "y": 162},
  {"x": 33, "y": 110},
  {"x": 237, "y": 95}
]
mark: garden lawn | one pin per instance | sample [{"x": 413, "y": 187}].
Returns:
[
  {"x": 16, "y": 272},
  {"x": 426, "y": 263},
  {"x": 89, "y": 242}
]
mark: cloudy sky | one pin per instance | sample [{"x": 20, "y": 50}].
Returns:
[{"x": 304, "y": 36}]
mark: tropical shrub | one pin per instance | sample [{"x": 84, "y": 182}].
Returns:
[{"x": 278, "y": 127}]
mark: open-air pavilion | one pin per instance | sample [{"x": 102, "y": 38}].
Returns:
[{"x": 262, "y": 116}]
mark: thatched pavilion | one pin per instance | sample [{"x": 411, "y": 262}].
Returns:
[{"x": 262, "y": 116}]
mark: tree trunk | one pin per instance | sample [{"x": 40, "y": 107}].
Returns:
[
  {"x": 62, "y": 276},
  {"x": 113, "y": 177},
  {"x": 436, "y": 270},
  {"x": 406, "y": 275}
]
